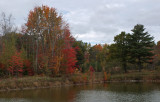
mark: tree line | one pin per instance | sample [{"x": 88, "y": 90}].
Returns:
[{"x": 45, "y": 46}]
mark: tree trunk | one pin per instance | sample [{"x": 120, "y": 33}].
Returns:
[
  {"x": 139, "y": 66},
  {"x": 125, "y": 67},
  {"x": 36, "y": 57}
]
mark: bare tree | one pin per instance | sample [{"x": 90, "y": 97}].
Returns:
[{"x": 6, "y": 24}]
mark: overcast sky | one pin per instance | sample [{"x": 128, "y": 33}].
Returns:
[{"x": 95, "y": 21}]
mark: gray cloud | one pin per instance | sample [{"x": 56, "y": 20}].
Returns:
[{"x": 95, "y": 21}]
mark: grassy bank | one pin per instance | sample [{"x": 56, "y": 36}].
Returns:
[
  {"x": 33, "y": 82},
  {"x": 148, "y": 76},
  {"x": 28, "y": 83}
]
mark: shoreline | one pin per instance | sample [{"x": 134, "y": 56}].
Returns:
[
  {"x": 35, "y": 82},
  {"x": 15, "y": 84}
]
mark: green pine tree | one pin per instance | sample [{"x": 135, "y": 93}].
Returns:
[{"x": 140, "y": 45}]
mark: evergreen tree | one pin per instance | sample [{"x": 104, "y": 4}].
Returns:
[
  {"x": 141, "y": 46},
  {"x": 121, "y": 44},
  {"x": 80, "y": 51}
]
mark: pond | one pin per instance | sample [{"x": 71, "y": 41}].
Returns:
[{"x": 111, "y": 92}]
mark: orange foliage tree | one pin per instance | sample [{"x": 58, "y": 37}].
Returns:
[
  {"x": 51, "y": 41},
  {"x": 45, "y": 26}
]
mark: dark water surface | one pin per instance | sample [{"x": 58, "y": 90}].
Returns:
[{"x": 113, "y": 92}]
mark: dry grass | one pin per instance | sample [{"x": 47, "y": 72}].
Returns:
[
  {"x": 28, "y": 82},
  {"x": 134, "y": 75}
]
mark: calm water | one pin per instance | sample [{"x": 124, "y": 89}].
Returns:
[{"x": 115, "y": 92}]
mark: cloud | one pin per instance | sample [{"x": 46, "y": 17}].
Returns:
[{"x": 95, "y": 21}]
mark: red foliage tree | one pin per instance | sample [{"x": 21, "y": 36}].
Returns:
[
  {"x": 91, "y": 70},
  {"x": 69, "y": 53},
  {"x": 28, "y": 67},
  {"x": 16, "y": 64},
  {"x": 2, "y": 66}
]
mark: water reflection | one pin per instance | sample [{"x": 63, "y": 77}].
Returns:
[{"x": 113, "y": 92}]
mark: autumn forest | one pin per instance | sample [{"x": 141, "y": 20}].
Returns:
[{"x": 45, "y": 46}]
